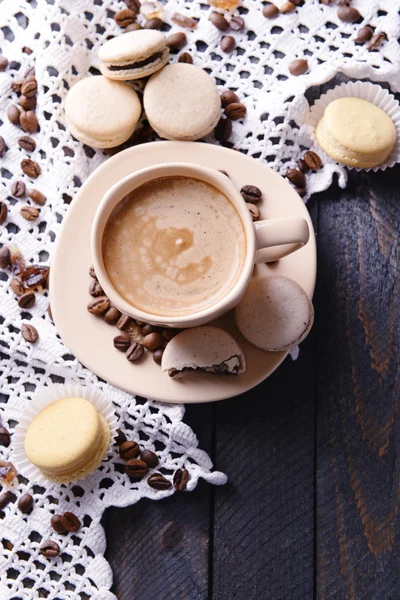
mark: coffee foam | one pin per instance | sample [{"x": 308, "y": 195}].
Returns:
[{"x": 174, "y": 246}]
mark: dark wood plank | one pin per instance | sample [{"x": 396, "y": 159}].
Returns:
[{"x": 358, "y": 384}]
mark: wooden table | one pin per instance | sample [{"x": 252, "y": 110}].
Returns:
[{"x": 312, "y": 454}]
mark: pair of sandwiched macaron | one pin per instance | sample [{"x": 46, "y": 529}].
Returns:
[{"x": 181, "y": 101}]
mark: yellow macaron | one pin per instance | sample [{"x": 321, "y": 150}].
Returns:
[{"x": 356, "y": 133}]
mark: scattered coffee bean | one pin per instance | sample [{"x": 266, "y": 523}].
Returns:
[
  {"x": 13, "y": 114},
  {"x": 219, "y": 21},
  {"x": 155, "y": 23},
  {"x": 57, "y": 525},
  {"x": 296, "y": 177},
  {"x": 186, "y": 58},
  {"x": 301, "y": 163},
  {"x": 136, "y": 468},
  {"x": 235, "y": 111},
  {"x": 3, "y": 212},
  {"x": 30, "y": 72},
  {"x": 95, "y": 289},
  {"x": 312, "y": 160},
  {"x": 125, "y": 17},
  {"x": 184, "y": 21},
  {"x": 17, "y": 286},
  {"x": 176, "y": 41},
  {"x": 17, "y": 85},
  {"x": 5, "y": 257},
  {"x": 129, "y": 450},
  {"x": 134, "y": 352},
  {"x": 146, "y": 329},
  {"x": 4, "y": 437},
  {"x": 27, "y": 103},
  {"x": 364, "y": 35},
  {"x": 18, "y": 189},
  {"x": 133, "y": 5},
  {"x": 49, "y": 549},
  {"x": 30, "y": 168},
  {"x": 158, "y": 482},
  {"x": 348, "y": 14},
  {"x": 251, "y": 193},
  {"x": 92, "y": 273},
  {"x": 133, "y": 27},
  {"x": 28, "y": 121},
  {"x": 169, "y": 333},
  {"x": 153, "y": 341},
  {"x": 298, "y": 67},
  {"x": 3, "y": 63},
  {"x": 37, "y": 197},
  {"x": 150, "y": 458},
  {"x": 122, "y": 342},
  {"x": 254, "y": 211},
  {"x": 270, "y": 11},
  {"x": 157, "y": 356},
  {"x": 228, "y": 97},
  {"x": 223, "y": 130},
  {"x": 99, "y": 305},
  {"x": 124, "y": 322},
  {"x": 287, "y": 7},
  {"x": 25, "y": 504},
  {"x": 112, "y": 315},
  {"x": 29, "y": 88},
  {"x": 181, "y": 478},
  {"x": 228, "y": 43},
  {"x": 236, "y": 23},
  {"x": 301, "y": 191},
  {"x": 27, "y": 300},
  {"x": 5, "y": 499},
  {"x": 27, "y": 50},
  {"x": 7, "y": 472},
  {"x": 29, "y": 333},
  {"x": 326, "y": 2},
  {"x": 3, "y": 147},
  {"x": 30, "y": 213},
  {"x": 377, "y": 40},
  {"x": 27, "y": 143},
  {"x": 70, "y": 522},
  {"x": 120, "y": 437}
]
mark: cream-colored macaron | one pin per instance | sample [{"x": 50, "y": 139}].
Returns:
[
  {"x": 182, "y": 102},
  {"x": 102, "y": 113},
  {"x": 356, "y": 133},
  {"x": 275, "y": 313},
  {"x": 67, "y": 439},
  {"x": 134, "y": 54}
]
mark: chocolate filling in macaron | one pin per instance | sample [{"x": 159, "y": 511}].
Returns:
[{"x": 136, "y": 65}]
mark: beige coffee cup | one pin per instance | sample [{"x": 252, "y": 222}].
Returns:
[{"x": 266, "y": 241}]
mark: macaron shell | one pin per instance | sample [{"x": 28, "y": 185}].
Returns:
[
  {"x": 275, "y": 313},
  {"x": 132, "y": 46},
  {"x": 182, "y": 102},
  {"x": 131, "y": 74}
]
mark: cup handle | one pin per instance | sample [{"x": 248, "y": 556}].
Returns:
[{"x": 276, "y": 238}]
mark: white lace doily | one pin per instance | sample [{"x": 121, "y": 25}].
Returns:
[{"x": 64, "y": 36}]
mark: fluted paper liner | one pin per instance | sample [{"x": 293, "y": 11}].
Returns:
[
  {"x": 43, "y": 398},
  {"x": 365, "y": 90}
]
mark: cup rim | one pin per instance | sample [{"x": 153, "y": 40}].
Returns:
[{"x": 119, "y": 190}]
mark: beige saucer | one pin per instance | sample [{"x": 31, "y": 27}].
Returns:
[{"x": 90, "y": 339}]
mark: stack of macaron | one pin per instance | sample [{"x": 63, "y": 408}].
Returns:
[{"x": 181, "y": 101}]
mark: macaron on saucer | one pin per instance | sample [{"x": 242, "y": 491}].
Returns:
[{"x": 91, "y": 340}]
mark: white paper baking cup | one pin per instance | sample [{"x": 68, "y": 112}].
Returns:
[
  {"x": 371, "y": 92},
  {"x": 43, "y": 398}
]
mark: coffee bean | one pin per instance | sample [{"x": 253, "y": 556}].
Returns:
[
  {"x": 112, "y": 315},
  {"x": 227, "y": 43},
  {"x": 29, "y": 333},
  {"x": 235, "y": 111},
  {"x": 27, "y": 143},
  {"x": 124, "y": 322},
  {"x": 25, "y": 504},
  {"x": 155, "y": 23},
  {"x": 99, "y": 305},
  {"x": 95, "y": 289},
  {"x": 251, "y": 193},
  {"x": 120, "y": 437},
  {"x": 149, "y": 458},
  {"x": 129, "y": 450},
  {"x": 298, "y": 67},
  {"x": 3, "y": 147},
  {"x": 181, "y": 478},
  {"x": 125, "y": 17},
  {"x": 134, "y": 352},
  {"x": 296, "y": 177},
  {"x": 133, "y": 27},
  {"x": 364, "y": 35},
  {"x": 157, "y": 481},
  {"x": 3, "y": 63},
  {"x": 30, "y": 72},
  {"x": 30, "y": 213},
  {"x": 176, "y": 41},
  {"x": 184, "y": 21},
  {"x": 92, "y": 273},
  {"x": 27, "y": 300},
  {"x": 5, "y": 499},
  {"x": 3, "y": 212},
  {"x": 17, "y": 85},
  {"x": 228, "y": 97},
  {"x": 57, "y": 525},
  {"x": 254, "y": 211},
  {"x": 153, "y": 341},
  {"x": 186, "y": 58},
  {"x": 236, "y": 23},
  {"x": 13, "y": 114},
  {"x": 377, "y": 40},
  {"x": 270, "y": 11},
  {"x": 169, "y": 333},
  {"x": 49, "y": 549},
  {"x": 29, "y": 88},
  {"x": 136, "y": 468},
  {"x": 348, "y": 14},
  {"x": 27, "y": 103},
  {"x": 18, "y": 189},
  {"x": 27, "y": 50},
  {"x": 70, "y": 522},
  {"x": 157, "y": 356},
  {"x": 4, "y": 437},
  {"x": 30, "y": 168},
  {"x": 312, "y": 160},
  {"x": 288, "y": 7},
  {"x": 29, "y": 122},
  {"x": 301, "y": 163},
  {"x": 37, "y": 197},
  {"x": 17, "y": 287},
  {"x": 301, "y": 191},
  {"x": 219, "y": 21},
  {"x": 223, "y": 130},
  {"x": 5, "y": 257},
  {"x": 146, "y": 329},
  {"x": 122, "y": 342},
  {"x": 133, "y": 5}
]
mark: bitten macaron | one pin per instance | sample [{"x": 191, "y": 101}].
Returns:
[
  {"x": 356, "y": 133},
  {"x": 134, "y": 54},
  {"x": 182, "y": 102},
  {"x": 102, "y": 113}
]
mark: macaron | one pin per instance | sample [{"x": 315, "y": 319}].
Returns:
[
  {"x": 356, "y": 133},
  {"x": 102, "y": 113},
  {"x": 133, "y": 55},
  {"x": 182, "y": 102},
  {"x": 67, "y": 439},
  {"x": 205, "y": 348},
  {"x": 275, "y": 313}
]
